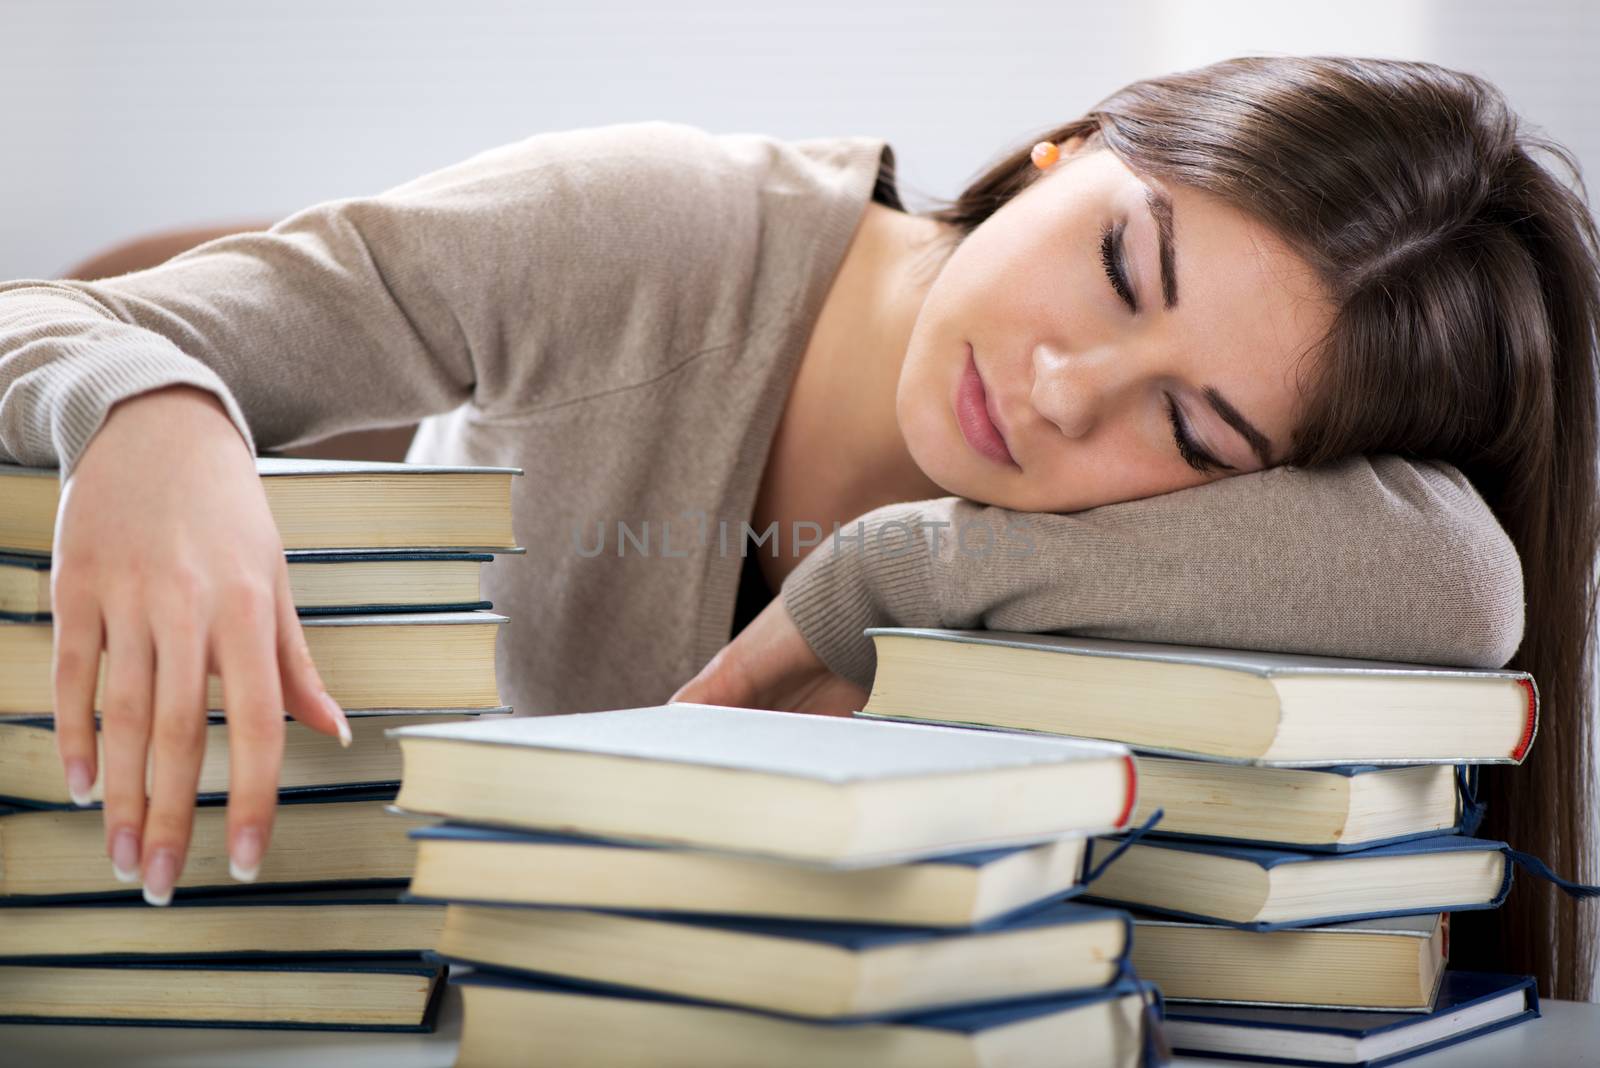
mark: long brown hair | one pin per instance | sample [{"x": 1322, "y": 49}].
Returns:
[{"x": 1465, "y": 277}]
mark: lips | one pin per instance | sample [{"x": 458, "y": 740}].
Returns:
[{"x": 975, "y": 416}]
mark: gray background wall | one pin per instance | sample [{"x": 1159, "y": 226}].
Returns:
[{"x": 120, "y": 118}]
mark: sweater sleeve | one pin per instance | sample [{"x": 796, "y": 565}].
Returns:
[
  {"x": 1374, "y": 557},
  {"x": 380, "y": 310}
]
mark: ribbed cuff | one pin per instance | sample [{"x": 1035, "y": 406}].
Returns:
[
  {"x": 874, "y": 573},
  {"x": 65, "y": 400}
]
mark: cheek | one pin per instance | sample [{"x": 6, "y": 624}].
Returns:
[{"x": 920, "y": 407}]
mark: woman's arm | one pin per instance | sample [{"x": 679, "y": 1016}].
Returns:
[
  {"x": 149, "y": 390},
  {"x": 1373, "y": 557},
  {"x": 148, "y": 250}
]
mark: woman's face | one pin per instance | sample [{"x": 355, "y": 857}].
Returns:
[{"x": 1076, "y": 380}]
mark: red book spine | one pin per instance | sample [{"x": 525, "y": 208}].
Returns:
[{"x": 1532, "y": 724}]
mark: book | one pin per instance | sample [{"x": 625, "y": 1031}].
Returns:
[
  {"x": 1469, "y": 1004},
  {"x": 321, "y": 583},
  {"x": 317, "y": 837},
  {"x": 820, "y": 789},
  {"x": 1187, "y": 700},
  {"x": 486, "y": 865},
  {"x": 31, "y": 773},
  {"x": 348, "y": 995},
  {"x": 1265, "y": 889},
  {"x": 414, "y": 660},
  {"x": 341, "y": 921},
  {"x": 320, "y": 504},
  {"x": 511, "y": 1020},
  {"x": 1333, "y": 809},
  {"x": 1392, "y": 963},
  {"x": 833, "y": 971}
]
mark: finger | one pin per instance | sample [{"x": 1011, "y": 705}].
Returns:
[
  {"x": 241, "y": 614},
  {"x": 180, "y": 727},
  {"x": 720, "y": 682},
  {"x": 247, "y": 650},
  {"x": 125, "y": 725},
  {"x": 74, "y": 674},
  {"x": 304, "y": 695}
]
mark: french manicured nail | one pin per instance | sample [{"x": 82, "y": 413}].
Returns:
[
  {"x": 339, "y": 720},
  {"x": 125, "y": 856},
  {"x": 159, "y": 875},
  {"x": 244, "y": 859},
  {"x": 79, "y": 783}
]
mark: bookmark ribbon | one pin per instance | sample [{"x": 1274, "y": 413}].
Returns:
[
  {"x": 1154, "y": 1049},
  {"x": 1131, "y": 837},
  {"x": 1540, "y": 870},
  {"x": 1472, "y": 808},
  {"x": 1472, "y": 811}
]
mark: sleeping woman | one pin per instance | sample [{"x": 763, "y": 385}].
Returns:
[{"x": 1285, "y": 353}]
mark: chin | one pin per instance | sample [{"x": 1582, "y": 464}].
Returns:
[{"x": 927, "y": 430}]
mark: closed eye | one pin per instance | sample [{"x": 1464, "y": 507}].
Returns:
[
  {"x": 1193, "y": 455},
  {"x": 1111, "y": 260}
]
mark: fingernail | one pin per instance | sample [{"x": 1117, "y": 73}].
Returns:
[
  {"x": 244, "y": 859},
  {"x": 79, "y": 783},
  {"x": 159, "y": 875},
  {"x": 125, "y": 856},
  {"x": 339, "y": 719}
]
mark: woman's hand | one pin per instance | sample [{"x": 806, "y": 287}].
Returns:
[
  {"x": 165, "y": 550},
  {"x": 769, "y": 665}
]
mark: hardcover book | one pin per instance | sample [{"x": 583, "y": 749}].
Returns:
[
  {"x": 1469, "y": 1004},
  {"x": 1384, "y": 964},
  {"x": 421, "y": 660},
  {"x": 317, "y": 837},
  {"x": 834, "y": 971},
  {"x": 31, "y": 773},
  {"x": 819, "y": 789},
  {"x": 1265, "y": 889},
  {"x": 365, "y": 921},
  {"x": 1226, "y": 704},
  {"x": 320, "y": 504},
  {"x": 1335, "y": 809},
  {"x": 321, "y": 583},
  {"x": 487, "y": 865},
  {"x": 347, "y": 995},
  {"x": 518, "y": 1020}
]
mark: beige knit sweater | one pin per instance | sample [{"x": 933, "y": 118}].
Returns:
[{"x": 620, "y": 312}]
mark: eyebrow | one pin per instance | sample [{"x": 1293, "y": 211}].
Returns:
[
  {"x": 1160, "y": 206},
  {"x": 1259, "y": 443}
]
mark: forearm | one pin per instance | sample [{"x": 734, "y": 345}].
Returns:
[{"x": 1376, "y": 558}]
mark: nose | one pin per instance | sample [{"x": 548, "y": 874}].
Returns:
[{"x": 1075, "y": 388}]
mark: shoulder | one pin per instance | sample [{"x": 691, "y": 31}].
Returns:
[{"x": 660, "y": 164}]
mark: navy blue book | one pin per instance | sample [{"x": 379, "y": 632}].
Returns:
[
  {"x": 318, "y": 837},
  {"x": 518, "y": 1020},
  {"x": 1334, "y": 809},
  {"x": 353, "y": 921},
  {"x": 487, "y": 865},
  {"x": 1469, "y": 1004},
  {"x": 322, "y": 582},
  {"x": 286, "y": 992},
  {"x": 31, "y": 775},
  {"x": 813, "y": 970},
  {"x": 1267, "y": 889}
]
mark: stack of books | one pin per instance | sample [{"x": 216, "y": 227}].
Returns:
[
  {"x": 1315, "y": 833},
  {"x": 384, "y": 562},
  {"x": 699, "y": 885}
]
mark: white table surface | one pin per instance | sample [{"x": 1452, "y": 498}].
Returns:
[{"x": 1567, "y": 1037}]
